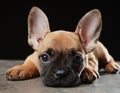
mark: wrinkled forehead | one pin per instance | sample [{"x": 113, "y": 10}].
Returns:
[{"x": 60, "y": 41}]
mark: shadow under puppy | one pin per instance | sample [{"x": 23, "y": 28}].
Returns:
[{"x": 64, "y": 58}]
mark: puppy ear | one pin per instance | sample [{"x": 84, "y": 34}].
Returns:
[
  {"x": 89, "y": 29},
  {"x": 38, "y": 26}
]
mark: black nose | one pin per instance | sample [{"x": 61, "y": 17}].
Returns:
[{"x": 61, "y": 72}]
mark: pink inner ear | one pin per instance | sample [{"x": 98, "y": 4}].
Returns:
[
  {"x": 38, "y": 26},
  {"x": 89, "y": 29},
  {"x": 85, "y": 37}
]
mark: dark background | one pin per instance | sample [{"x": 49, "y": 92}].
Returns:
[{"x": 62, "y": 15}]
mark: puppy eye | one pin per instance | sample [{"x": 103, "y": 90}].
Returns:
[
  {"x": 78, "y": 59},
  {"x": 44, "y": 58}
]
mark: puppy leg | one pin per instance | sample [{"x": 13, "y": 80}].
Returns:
[
  {"x": 25, "y": 71},
  {"x": 90, "y": 72},
  {"x": 106, "y": 61},
  {"x": 112, "y": 67}
]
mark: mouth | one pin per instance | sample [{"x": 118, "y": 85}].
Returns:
[
  {"x": 62, "y": 83},
  {"x": 69, "y": 79}
]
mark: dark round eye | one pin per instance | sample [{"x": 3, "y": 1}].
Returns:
[
  {"x": 78, "y": 59},
  {"x": 44, "y": 58}
]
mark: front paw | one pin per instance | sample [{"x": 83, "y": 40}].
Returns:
[
  {"x": 89, "y": 75},
  {"x": 19, "y": 73},
  {"x": 112, "y": 67}
]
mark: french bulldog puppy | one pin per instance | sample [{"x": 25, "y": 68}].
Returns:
[{"x": 64, "y": 58}]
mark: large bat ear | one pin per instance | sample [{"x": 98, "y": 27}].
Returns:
[
  {"x": 89, "y": 29},
  {"x": 38, "y": 26}
]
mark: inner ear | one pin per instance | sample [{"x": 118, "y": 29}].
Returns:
[
  {"x": 89, "y": 29},
  {"x": 38, "y": 26}
]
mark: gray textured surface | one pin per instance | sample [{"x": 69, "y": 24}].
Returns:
[{"x": 107, "y": 83}]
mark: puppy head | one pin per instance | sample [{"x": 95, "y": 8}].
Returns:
[{"x": 62, "y": 54}]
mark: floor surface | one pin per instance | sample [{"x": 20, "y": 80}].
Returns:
[{"x": 107, "y": 83}]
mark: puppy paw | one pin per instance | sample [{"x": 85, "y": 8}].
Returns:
[
  {"x": 112, "y": 67},
  {"x": 89, "y": 75},
  {"x": 20, "y": 73}
]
